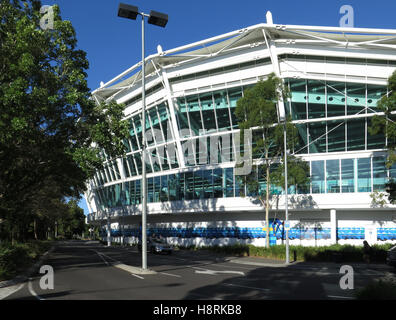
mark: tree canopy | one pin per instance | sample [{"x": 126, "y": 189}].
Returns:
[
  {"x": 386, "y": 125},
  {"x": 51, "y": 131},
  {"x": 257, "y": 110}
]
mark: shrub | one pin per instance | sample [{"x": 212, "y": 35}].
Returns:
[
  {"x": 333, "y": 253},
  {"x": 18, "y": 257}
]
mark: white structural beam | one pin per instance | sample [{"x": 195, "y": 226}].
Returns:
[{"x": 333, "y": 222}]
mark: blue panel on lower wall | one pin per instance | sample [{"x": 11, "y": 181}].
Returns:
[{"x": 386, "y": 234}]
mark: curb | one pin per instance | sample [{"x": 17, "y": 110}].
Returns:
[{"x": 25, "y": 276}]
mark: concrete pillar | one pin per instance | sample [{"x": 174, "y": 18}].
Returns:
[
  {"x": 333, "y": 223},
  {"x": 108, "y": 233}
]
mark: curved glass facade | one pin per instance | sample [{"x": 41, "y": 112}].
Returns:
[{"x": 331, "y": 117}]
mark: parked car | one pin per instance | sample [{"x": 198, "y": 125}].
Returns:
[
  {"x": 155, "y": 245},
  {"x": 391, "y": 257}
]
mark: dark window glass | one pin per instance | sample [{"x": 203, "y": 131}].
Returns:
[
  {"x": 298, "y": 99},
  {"x": 348, "y": 175},
  {"x": 217, "y": 183},
  {"x": 229, "y": 182},
  {"x": 356, "y": 98},
  {"x": 317, "y": 137},
  {"x": 222, "y": 110},
  {"x": 374, "y": 95},
  {"x": 182, "y": 118},
  {"x": 234, "y": 95},
  {"x": 333, "y": 176},
  {"x": 356, "y": 134},
  {"x": 336, "y": 136},
  {"x": 316, "y": 99},
  {"x": 374, "y": 141},
  {"x": 364, "y": 175},
  {"x": 318, "y": 176},
  {"x": 336, "y": 99},
  {"x": 379, "y": 174}
]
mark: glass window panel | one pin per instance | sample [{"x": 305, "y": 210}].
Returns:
[
  {"x": 164, "y": 118},
  {"x": 348, "y": 175},
  {"x": 138, "y": 192},
  {"x": 392, "y": 172},
  {"x": 181, "y": 179},
  {"x": 364, "y": 175},
  {"x": 374, "y": 94},
  {"x": 158, "y": 188},
  {"x": 356, "y": 134},
  {"x": 126, "y": 168},
  {"x": 298, "y": 99},
  {"x": 138, "y": 127},
  {"x": 356, "y": 98},
  {"x": 199, "y": 185},
  {"x": 138, "y": 159},
  {"x": 155, "y": 158},
  {"x": 379, "y": 174},
  {"x": 318, "y": 176},
  {"x": 336, "y": 99},
  {"x": 317, "y": 135},
  {"x": 150, "y": 190},
  {"x": 194, "y": 112},
  {"x": 208, "y": 111},
  {"x": 222, "y": 110},
  {"x": 172, "y": 152},
  {"x": 229, "y": 182},
  {"x": 189, "y": 185},
  {"x": 182, "y": 117},
  {"x": 336, "y": 136},
  {"x": 333, "y": 176},
  {"x": 173, "y": 187},
  {"x": 169, "y": 188},
  {"x": 155, "y": 123},
  {"x": 218, "y": 183},
  {"x": 302, "y": 145},
  {"x": 374, "y": 141},
  {"x": 316, "y": 99},
  {"x": 234, "y": 95},
  {"x": 132, "y": 192}
]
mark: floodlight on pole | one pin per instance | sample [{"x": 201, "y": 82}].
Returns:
[{"x": 159, "y": 19}]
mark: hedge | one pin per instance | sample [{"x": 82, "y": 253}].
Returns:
[
  {"x": 17, "y": 258},
  {"x": 333, "y": 253}
]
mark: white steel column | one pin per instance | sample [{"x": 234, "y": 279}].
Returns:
[
  {"x": 333, "y": 223},
  {"x": 173, "y": 119},
  {"x": 121, "y": 170},
  {"x": 108, "y": 229}
]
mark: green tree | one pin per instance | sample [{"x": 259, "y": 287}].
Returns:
[
  {"x": 257, "y": 110},
  {"x": 386, "y": 125},
  {"x": 51, "y": 131}
]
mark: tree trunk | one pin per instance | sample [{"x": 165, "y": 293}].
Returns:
[{"x": 35, "y": 229}]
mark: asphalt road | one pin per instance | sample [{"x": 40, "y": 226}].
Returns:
[{"x": 86, "y": 271}]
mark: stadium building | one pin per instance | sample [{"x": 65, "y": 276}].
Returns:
[{"x": 335, "y": 75}]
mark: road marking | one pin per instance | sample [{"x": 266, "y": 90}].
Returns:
[
  {"x": 135, "y": 275},
  {"x": 213, "y": 272},
  {"x": 5, "y": 292},
  {"x": 100, "y": 255},
  {"x": 170, "y": 274},
  {"x": 237, "y": 285},
  {"x": 341, "y": 297},
  {"x": 32, "y": 292}
]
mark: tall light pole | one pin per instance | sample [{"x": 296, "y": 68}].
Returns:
[
  {"x": 159, "y": 19},
  {"x": 286, "y": 195}
]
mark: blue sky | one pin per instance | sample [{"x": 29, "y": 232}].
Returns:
[{"x": 114, "y": 44}]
